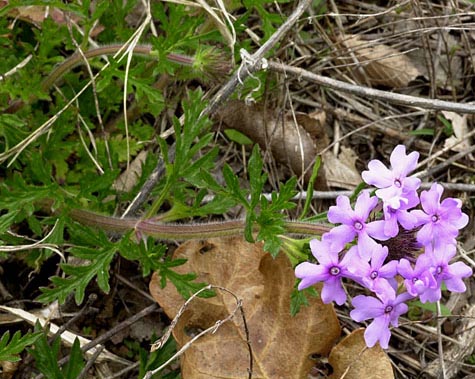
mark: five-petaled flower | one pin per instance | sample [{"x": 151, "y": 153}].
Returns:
[
  {"x": 384, "y": 310},
  {"x": 395, "y": 186},
  {"x": 354, "y": 223},
  {"x": 375, "y": 275},
  {"x": 330, "y": 271},
  {"x": 440, "y": 221}
]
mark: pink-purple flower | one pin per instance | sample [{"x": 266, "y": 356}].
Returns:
[
  {"x": 395, "y": 186},
  {"x": 384, "y": 310},
  {"x": 375, "y": 266},
  {"x": 440, "y": 221},
  {"x": 354, "y": 223},
  {"x": 330, "y": 271},
  {"x": 394, "y": 217},
  {"x": 375, "y": 275},
  {"x": 419, "y": 280},
  {"x": 450, "y": 274}
]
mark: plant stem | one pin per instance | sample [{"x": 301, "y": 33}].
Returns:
[
  {"x": 182, "y": 232},
  {"x": 77, "y": 59}
]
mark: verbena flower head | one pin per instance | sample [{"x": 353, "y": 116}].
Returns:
[
  {"x": 384, "y": 310},
  {"x": 395, "y": 187},
  {"x": 379, "y": 247},
  {"x": 330, "y": 270},
  {"x": 354, "y": 223},
  {"x": 440, "y": 221}
]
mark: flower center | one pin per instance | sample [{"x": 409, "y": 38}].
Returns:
[
  {"x": 397, "y": 183},
  {"x": 335, "y": 270},
  {"x": 388, "y": 309},
  {"x": 374, "y": 275},
  {"x": 358, "y": 225},
  {"x": 415, "y": 279},
  {"x": 439, "y": 270},
  {"x": 435, "y": 218}
]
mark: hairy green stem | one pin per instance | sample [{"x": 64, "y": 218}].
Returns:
[
  {"x": 182, "y": 232},
  {"x": 77, "y": 59}
]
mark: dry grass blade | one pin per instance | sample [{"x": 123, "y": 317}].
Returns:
[{"x": 67, "y": 337}]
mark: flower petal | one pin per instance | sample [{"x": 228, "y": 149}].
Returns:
[
  {"x": 378, "y": 174},
  {"x": 364, "y": 205},
  {"x": 378, "y": 330},
  {"x": 366, "y": 307},
  {"x": 333, "y": 291},
  {"x": 341, "y": 213},
  {"x": 310, "y": 274},
  {"x": 339, "y": 236}
]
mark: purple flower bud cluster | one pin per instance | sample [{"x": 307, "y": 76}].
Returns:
[{"x": 357, "y": 248}]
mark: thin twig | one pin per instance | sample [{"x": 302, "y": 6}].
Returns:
[
  {"x": 90, "y": 362},
  {"x": 392, "y": 97},
  {"x": 446, "y": 163},
  {"x": 440, "y": 345},
  {"x": 118, "y": 374}
]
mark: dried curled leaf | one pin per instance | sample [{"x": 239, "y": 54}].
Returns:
[
  {"x": 352, "y": 359},
  {"x": 292, "y": 143},
  {"x": 376, "y": 64},
  {"x": 281, "y": 344},
  {"x": 460, "y": 129}
]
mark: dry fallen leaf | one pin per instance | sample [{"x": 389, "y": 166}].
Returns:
[
  {"x": 295, "y": 144},
  {"x": 351, "y": 359},
  {"x": 377, "y": 64},
  {"x": 36, "y": 14},
  {"x": 129, "y": 178},
  {"x": 341, "y": 171},
  {"x": 281, "y": 344},
  {"x": 460, "y": 128}
]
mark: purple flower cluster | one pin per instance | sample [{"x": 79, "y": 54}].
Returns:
[{"x": 359, "y": 247}]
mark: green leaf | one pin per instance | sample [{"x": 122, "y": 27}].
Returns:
[
  {"x": 422, "y": 132},
  {"x": 46, "y": 356},
  {"x": 271, "y": 218},
  {"x": 184, "y": 283},
  {"x": 79, "y": 276},
  {"x": 150, "y": 361},
  {"x": 148, "y": 253},
  {"x": 299, "y": 299},
  {"x": 310, "y": 187},
  {"x": 10, "y": 349},
  {"x": 448, "y": 127},
  {"x": 233, "y": 186},
  {"x": 431, "y": 307},
  {"x": 238, "y": 137},
  {"x": 73, "y": 368},
  {"x": 7, "y": 220}
]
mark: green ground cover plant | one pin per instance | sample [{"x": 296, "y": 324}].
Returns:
[{"x": 116, "y": 144}]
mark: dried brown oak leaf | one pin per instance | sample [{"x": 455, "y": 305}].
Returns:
[
  {"x": 351, "y": 359},
  {"x": 291, "y": 141},
  {"x": 375, "y": 63},
  {"x": 281, "y": 344}
]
